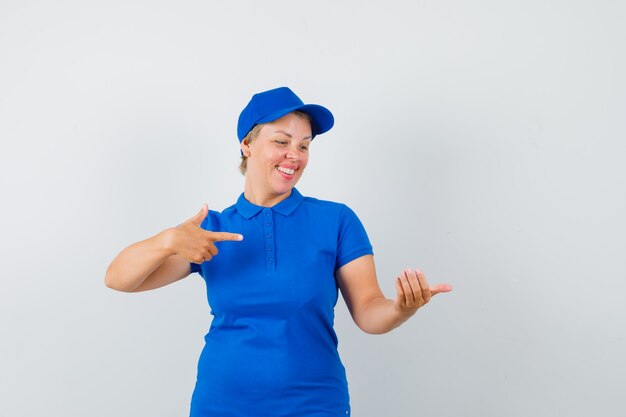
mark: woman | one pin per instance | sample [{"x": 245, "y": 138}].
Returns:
[{"x": 272, "y": 287}]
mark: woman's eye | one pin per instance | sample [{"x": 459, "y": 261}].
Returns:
[
  {"x": 281, "y": 142},
  {"x": 304, "y": 148}
]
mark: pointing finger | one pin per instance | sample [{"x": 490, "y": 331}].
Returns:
[{"x": 220, "y": 236}]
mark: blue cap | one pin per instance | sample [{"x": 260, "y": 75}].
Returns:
[{"x": 273, "y": 104}]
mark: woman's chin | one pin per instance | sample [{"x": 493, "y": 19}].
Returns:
[
  {"x": 283, "y": 188},
  {"x": 282, "y": 185}
]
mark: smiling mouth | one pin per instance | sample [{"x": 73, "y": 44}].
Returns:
[{"x": 287, "y": 171}]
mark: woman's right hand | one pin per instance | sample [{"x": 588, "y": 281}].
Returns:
[{"x": 192, "y": 242}]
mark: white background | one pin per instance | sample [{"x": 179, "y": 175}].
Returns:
[{"x": 480, "y": 141}]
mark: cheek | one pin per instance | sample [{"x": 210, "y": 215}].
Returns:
[
  {"x": 269, "y": 158},
  {"x": 304, "y": 162},
  {"x": 275, "y": 156}
]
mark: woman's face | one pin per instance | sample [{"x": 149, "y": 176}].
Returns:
[{"x": 278, "y": 155}]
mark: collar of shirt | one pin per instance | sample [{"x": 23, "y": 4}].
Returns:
[{"x": 285, "y": 207}]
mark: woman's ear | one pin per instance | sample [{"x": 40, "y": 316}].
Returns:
[{"x": 245, "y": 148}]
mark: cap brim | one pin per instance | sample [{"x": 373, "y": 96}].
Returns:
[{"x": 322, "y": 119}]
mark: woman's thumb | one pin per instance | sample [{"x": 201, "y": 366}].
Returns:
[{"x": 199, "y": 218}]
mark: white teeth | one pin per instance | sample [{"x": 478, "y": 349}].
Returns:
[{"x": 287, "y": 170}]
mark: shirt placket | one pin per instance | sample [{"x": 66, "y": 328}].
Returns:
[{"x": 268, "y": 233}]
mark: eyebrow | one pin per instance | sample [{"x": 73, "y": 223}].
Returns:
[{"x": 291, "y": 137}]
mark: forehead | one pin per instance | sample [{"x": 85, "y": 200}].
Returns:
[{"x": 291, "y": 124}]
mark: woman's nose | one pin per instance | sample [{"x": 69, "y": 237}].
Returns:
[{"x": 291, "y": 154}]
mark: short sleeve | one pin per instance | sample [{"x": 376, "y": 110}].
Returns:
[{"x": 353, "y": 241}]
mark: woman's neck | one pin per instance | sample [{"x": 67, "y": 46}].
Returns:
[{"x": 263, "y": 198}]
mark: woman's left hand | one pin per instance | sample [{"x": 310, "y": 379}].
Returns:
[{"x": 413, "y": 291}]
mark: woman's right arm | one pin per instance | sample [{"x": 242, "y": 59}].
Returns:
[
  {"x": 146, "y": 265},
  {"x": 164, "y": 258}
]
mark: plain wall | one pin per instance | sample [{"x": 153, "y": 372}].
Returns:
[{"x": 482, "y": 142}]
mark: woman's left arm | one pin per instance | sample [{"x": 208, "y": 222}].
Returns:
[{"x": 370, "y": 310}]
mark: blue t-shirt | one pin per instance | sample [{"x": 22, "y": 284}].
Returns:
[{"x": 271, "y": 349}]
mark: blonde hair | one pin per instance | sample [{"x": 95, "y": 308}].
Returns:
[{"x": 254, "y": 132}]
